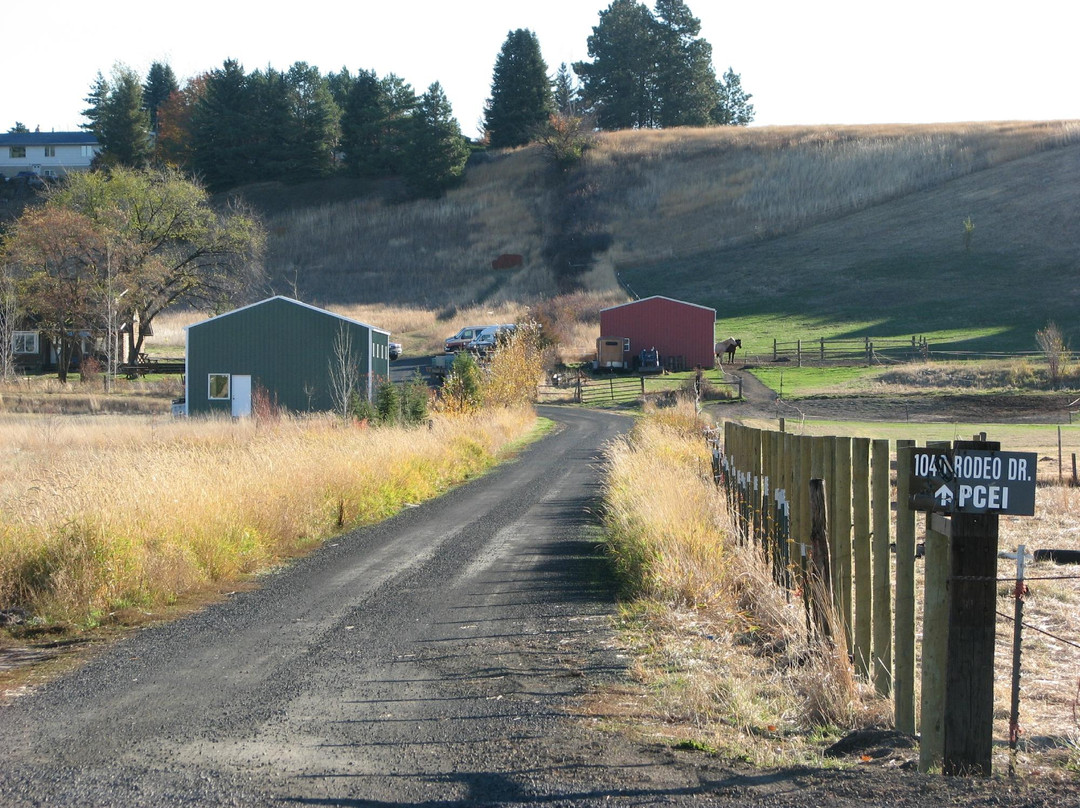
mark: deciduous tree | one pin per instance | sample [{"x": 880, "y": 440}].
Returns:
[
  {"x": 174, "y": 245},
  {"x": 59, "y": 257}
]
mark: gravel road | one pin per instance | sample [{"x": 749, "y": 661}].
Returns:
[{"x": 435, "y": 659}]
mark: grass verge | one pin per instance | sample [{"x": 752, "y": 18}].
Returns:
[{"x": 104, "y": 519}]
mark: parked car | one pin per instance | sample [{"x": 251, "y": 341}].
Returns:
[
  {"x": 31, "y": 178},
  {"x": 395, "y": 350},
  {"x": 488, "y": 339},
  {"x": 460, "y": 341}
]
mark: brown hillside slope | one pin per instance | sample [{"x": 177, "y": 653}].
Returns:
[
  {"x": 902, "y": 266},
  {"x": 637, "y": 198}
]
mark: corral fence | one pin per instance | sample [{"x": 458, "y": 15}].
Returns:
[
  {"x": 879, "y": 351},
  {"x": 853, "y": 563},
  {"x": 618, "y": 389}
]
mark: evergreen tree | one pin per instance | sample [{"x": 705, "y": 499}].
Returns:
[
  {"x": 521, "y": 99},
  {"x": 272, "y": 131},
  {"x": 565, "y": 92},
  {"x": 340, "y": 85},
  {"x": 652, "y": 69},
  {"x": 221, "y": 128},
  {"x": 160, "y": 84},
  {"x": 437, "y": 151},
  {"x": 19, "y": 129},
  {"x": 733, "y": 106},
  {"x": 620, "y": 83},
  {"x": 686, "y": 82},
  {"x": 315, "y": 122},
  {"x": 363, "y": 124},
  {"x": 117, "y": 118},
  {"x": 401, "y": 105}
]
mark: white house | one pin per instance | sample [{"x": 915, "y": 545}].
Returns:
[{"x": 47, "y": 154}]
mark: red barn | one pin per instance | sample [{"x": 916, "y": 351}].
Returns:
[{"x": 681, "y": 332}]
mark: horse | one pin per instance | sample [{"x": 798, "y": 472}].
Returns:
[{"x": 727, "y": 347}]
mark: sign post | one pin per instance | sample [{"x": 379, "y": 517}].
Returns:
[{"x": 973, "y": 482}]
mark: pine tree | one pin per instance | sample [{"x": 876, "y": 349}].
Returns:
[
  {"x": 437, "y": 151},
  {"x": 686, "y": 81},
  {"x": 565, "y": 92},
  {"x": 363, "y": 122},
  {"x": 733, "y": 106},
  {"x": 117, "y": 118},
  {"x": 521, "y": 99},
  {"x": 315, "y": 122},
  {"x": 652, "y": 69},
  {"x": 620, "y": 83},
  {"x": 222, "y": 130},
  {"x": 160, "y": 84}
]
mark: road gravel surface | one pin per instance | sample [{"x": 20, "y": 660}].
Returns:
[{"x": 440, "y": 658}]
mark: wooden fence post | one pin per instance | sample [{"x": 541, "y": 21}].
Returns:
[
  {"x": 904, "y": 643},
  {"x": 969, "y": 687},
  {"x": 935, "y": 644},
  {"x": 841, "y": 533},
  {"x": 798, "y": 353},
  {"x": 860, "y": 539},
  {"x": 820, "y": 583},
  {"x": 882, "y": 563}
]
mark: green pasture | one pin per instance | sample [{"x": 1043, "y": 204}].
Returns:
[
  {"x": 1039, "y": 438},
  {"x": 957, "y": 301}
]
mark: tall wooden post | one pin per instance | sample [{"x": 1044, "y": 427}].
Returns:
[
  {"x": 841, "y": 520},
  {"x": 904, "y": 645},
  {"x": 882, "y": 563},
  {"x": 860, "y": 539},
  {"x": 969, "y": 689},
  {"x": 935, "y": 643}
]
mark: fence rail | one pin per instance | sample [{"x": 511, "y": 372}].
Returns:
[
  {"x": 881, "y": 350},
  {"x": 626, "y": 389}
]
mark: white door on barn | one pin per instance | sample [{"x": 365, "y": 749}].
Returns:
[{"x": 241, "y": 396}]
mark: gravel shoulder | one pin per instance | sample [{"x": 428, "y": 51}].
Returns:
[{"x": 442, "y": 658}]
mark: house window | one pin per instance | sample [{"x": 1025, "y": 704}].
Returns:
[
  {"x": 87, "y": 151},
  {"x": 48, "y": 172},
  {"x": 626, "y": 344},
  {"x": 219, "y": 386},
  {"x": 24, "y": 342},
  {"x": 50, "y": 151},
  {"x": 15, "y": 152}
]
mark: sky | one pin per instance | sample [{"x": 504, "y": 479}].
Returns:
[{"x": 804, "y": 61}]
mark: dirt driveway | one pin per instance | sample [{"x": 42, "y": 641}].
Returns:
[{"x": 441, "y": 658}]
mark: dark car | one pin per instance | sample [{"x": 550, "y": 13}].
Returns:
[
  {"x": 31, "y": 178},
  {"x": 395, "y": 350}
]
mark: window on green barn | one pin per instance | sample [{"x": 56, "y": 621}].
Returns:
[{"x": 219, "y": 386}]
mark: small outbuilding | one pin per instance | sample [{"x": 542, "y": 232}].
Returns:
[
  {"x": 681, "y": 332},
  {"x": 291, "y": 350}
]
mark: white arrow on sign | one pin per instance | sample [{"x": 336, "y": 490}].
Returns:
[{"x": 944, "y": 496}]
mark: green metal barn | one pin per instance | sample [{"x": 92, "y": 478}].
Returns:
[{"x": 284, "y": 347}]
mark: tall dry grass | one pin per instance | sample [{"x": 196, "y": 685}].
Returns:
[
  {"x": 719, "y": 644},
  {"x": 683, "y": 191},
  {"x": 101, "y": 514}
]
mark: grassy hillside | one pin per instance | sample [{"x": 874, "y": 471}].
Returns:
[{"x": 787, "y": 231}]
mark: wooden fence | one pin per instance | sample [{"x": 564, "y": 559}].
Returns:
[
  {"x": 866, "y": 349},
  {"x": 767, "y": 476},
  {"x": 626, "y": 389},
  {"x": 881, "y": 350}
]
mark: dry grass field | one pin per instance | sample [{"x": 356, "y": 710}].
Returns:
[
  {"x": 105, "y": 517},
  {"x": 792, "y": 231},
  {"x": 723, "y": 658}
]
